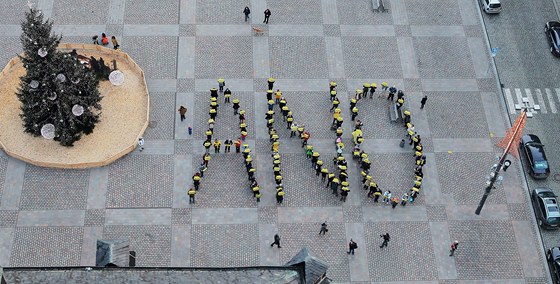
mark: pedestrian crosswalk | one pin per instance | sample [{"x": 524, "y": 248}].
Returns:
[{"x": 542, "y": 100}]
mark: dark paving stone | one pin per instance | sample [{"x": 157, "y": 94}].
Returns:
[
  {"x": 284, "y": 65},
  {"x": 164, "y": 12},
  {"x": 46, "y": 246},
  {"x": 162, "y": 116},
  {"x": 226, "y": 57},
  {"x": 365, "y": 58},
  {"x": 436, "y": 54},
  {"x": 8, "y": 218}
]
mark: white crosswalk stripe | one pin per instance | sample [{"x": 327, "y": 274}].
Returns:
[
  {"x": 540, "y": 100},
  {"x": 551, "y": 100},
  {"x": 543, "y": 97}
]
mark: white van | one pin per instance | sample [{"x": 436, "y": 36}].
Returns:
[{"x": 491, "y": 6}]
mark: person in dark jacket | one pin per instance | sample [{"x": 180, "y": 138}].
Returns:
[
  {"x": 266, "y": 16},
  {"x": 246, "y": 11},
  {"x": 276, "y": 241}
]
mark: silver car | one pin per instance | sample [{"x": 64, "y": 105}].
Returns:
[{"x": 491, "y": 6}]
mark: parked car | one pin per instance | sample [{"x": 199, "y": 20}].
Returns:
[
  {"x": 534, "y": 151},
  {"x": 552, "y": 31},
  {"x": 491, "y": 6},
  {"x": 553, "y": 258},
  {"x": 546, "y": 208}
]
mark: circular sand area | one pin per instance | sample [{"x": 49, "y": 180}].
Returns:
[{"x": 124, "y": 117}]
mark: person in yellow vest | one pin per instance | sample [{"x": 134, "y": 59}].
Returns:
[
  {"x": 324, "y": 173},
  {"x": 406, "y": 117},
  {"x": 241, "y": 116},
  {"x": 278, "y": 179},
  {"x": 196, "y": 180},
  {"x": 208, "y": 134},
  {"x": 300, "y": 129},
  {"x": 207, "y": 146},
  {"x": 366, "y": 89},
  {"x": 235, "y": 106},
  {"x": 285, "y": 110},
  {"x": 213, "y": 113},
  {"x": 360, "y": 140},
  {"x": 227, "y": 95},
  {"x": 332, "y": 85},
  {"x": 271, "y": 83},
  {"x": 354, "y": 113},
  {"x": 221, "y": 84},
  {"x": 243, "y": 126},
  {"x": 191, "y": 194},
  {"x": 217, "y": 144},
  {"x": 333, "y": 95},
  {"x": 314, "y": 158},
  {"x": 334, "y": 186},
  {"x": 400, "y": 103},
  {"x": 372, "y": 89},
  {"x": 277, "y": 96},
  {"x": 330, "y": 178},
  {"x": 355, "y": 134},
  {"x": 255, "y": 189},
  {"x": 279, "y": 197},
  {"x": 366, "y": 181},
  {"x": 358, "y": 95},
  {"x": 372, "y": 189},
  {"x": 344, "y": 193},
  {"x": 293, "y": 130},
  {"x": 214, "y": 93},
  {"x": 356, "y": 152},
  {"x": 353, "y": 103},
  {"x": 335, "y": 103},
  {"x": 275, "y": 146},
  {"x": 289, "y": 119},
  {"x": 206, "y": 159},
  {"x": 339, "y": 121},
  {"x": 339, "y": 132},
  {"x": 384, "y": 87},
  {"x": 258, "y": 195}
]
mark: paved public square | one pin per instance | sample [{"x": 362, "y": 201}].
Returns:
[{"x": 51, "y": 217}]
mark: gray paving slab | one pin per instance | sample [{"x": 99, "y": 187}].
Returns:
[
  {"x": 269, "y": 256},
  {"x": 463, "y": 145},
  {"x": 13, "y": 184},
  {"x": 261, "y": 57},
  {"x": 494, "y": 118},
  {"x": 329, "y": 11},
  {"x": 384, "y": 213},
  {"x": 384, "y": 146},
  {"x": 223, "y": 30},
  {"x": 478, "y": 50},
  {"x": 441, "y": 243},
  {"x": 151, "y": 30},
  {"x": 182, "y": 173},
  {"x": 157, "y": 147},
  {"x": 335, "y": 57},
  {"x": 367, "y": 30},
  {"x": 89, "y": 245},
  {"x": 151, "y": 216},
  {"x": 187, "y": 12},
  {"x": 309, "y": 214},
  {"x": 399, "y": 12},
  {"x": 97, "y": 188},
  {"x": 57, "y": 218},
  {"x": 358, "y": 262},
  {"x": 185, "y": 58},
  {"x": 295, "y": 30},
  {"x": 449, "y": 85},
  {"x": 225, "y": 216},
  {"x": 408, "y": 57},
  {"x": 78, "y": 30},
  {"x": 257, "y": 10},
  {"x": 116, "y": 12},
  {"x": 46, "y": 7},
  {"x": 515, "y": 192},
  {"x": 528, "y": 247},
  {"x": 431, "y": 185},
  {"x": 302, "y": 85},
  {"x": 469, "y": 15},
  {"x": 450, "y": 31},
  {"x": 180, "y": 246},
  {"x": 489, "y": 212},
  {"x": 11, "y": 30},
  {"x": 162, "y": 85},
  {"x": 6, "y": 242},
  {"x": 235, "y": 85}
]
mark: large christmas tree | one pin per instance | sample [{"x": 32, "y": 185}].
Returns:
[{"x": 59, "y": 95}]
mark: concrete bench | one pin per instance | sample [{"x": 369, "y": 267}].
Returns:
[
  {"x": 395, "y": 114},
  {"x": 379, "y": 6}
]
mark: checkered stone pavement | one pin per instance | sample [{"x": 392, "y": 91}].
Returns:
[
  {"x": 183, "y": 147},
  {"x": 374, "y": 114},
  {"x": 12, "y": 8},
  {"x": 474, "y": 167},
  {"x": 181, "y": 216},
  {"x": 224, "y": 57},
  {"x": 286, "y": 61},
  {"x": 436, "y": 54},
  {"x": 330, "y": 247},
  {"x": 151, "y": 186},
  {"x": 268, "y": 215},
  {"x": 156, "y": 63},
  {"x": 162, "y": 116},
  {"x": 353, "y": 214},
  {"x": 519, "y": 212},
  {"x": 46, "y": 246},
  {"x": 371, "y": 55},
  {"x": 410, "y": 239},
  {"x": 229, "y": 12},
  {"x": 209, "y": 248},
  {"x": 3, "y": 167},
  {"x": 361, "y": 13},
  {"x": 9, "y": 51},
  {"x": 218, "y": 189},
  {"x": 431, "y": 12},
  {"x": 331, "y": 30},
  {"x": 293, "y": 12},
  {"x": 152, "y": 244},
  {"x": 94, "y": 218},
  {"x": 64, "y": 12},
  {"x": 317, "y": 122},
  {"x": 162, "y": 12},
  {"x": 446, "y": 121},
  {"x": 8, "y": 218},
  {"x": 303, "y": 188},
  {"x": 478, "y": 241},
  {"x": 226, "y": 125},
  {"x": 436, "y": 213},
  {"x": 54, "y": 189}
]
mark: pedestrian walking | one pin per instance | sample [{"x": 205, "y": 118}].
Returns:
[
  {"x": 372, "y": 89},
  {"x": 270, "y": 87},
  {"x": 266, "y": 16},
  {"x": 141, "y": 144},
  {"x": 227, "y": 95},
  {"x": 344, "y": 193},
  {"x": 324, "y": 228},
  {"x": 352, "y": 245},
  {"x": 276, "y": 241},
  {"x": 115, "y": 43},
  {"x": 384, "y": 87},
  {"x": 392, "y": 92},
  {"x": 196, "y": 180},
  {"x": 334, "y": 186},
  {"x": 206, "y": 158},
  {"x": 247, "y": 12},
  {"x": 182, "y": 112},
  {"x": 453, "y": 248},
  {"x": 191, "y": 194},
  {"x": 235, "y": 106},
  {"x": 387, "y": 196},
  {"x": 279, "y": 196},
  {"x": 423, "y": 101},
  {"x": 386, "y": 239}
]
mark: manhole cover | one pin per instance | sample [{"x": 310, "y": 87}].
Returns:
[
  {"x": 152, "y": 124},
  {"x": 556, "y": 177}
]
